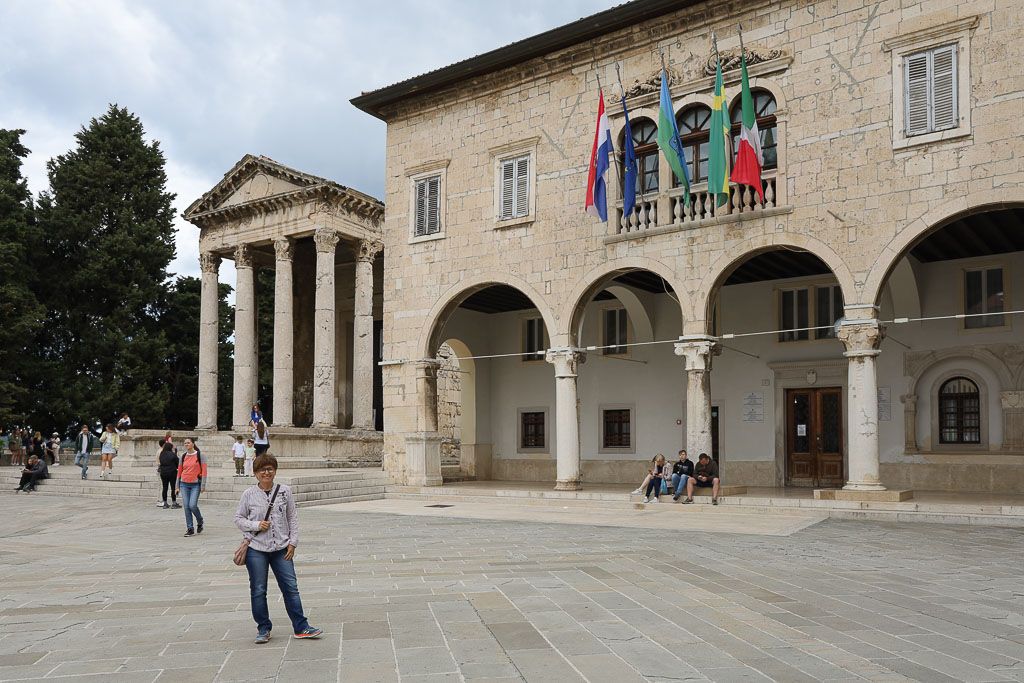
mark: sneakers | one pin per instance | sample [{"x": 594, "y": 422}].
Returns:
[
  {"x": 714, "y": 501},
  {"x": 176, "y": 505},
  {"x": 309, "y": 632},
  {"x": 199, "y": 528},
  {"x": 161, "y": 504},
  {"x": 647, "y": 500},
  {"x": 653, "y": 501},
  {"x": 687, "y": 501},
  {"x": 263, "y": 638},
  {"x": 637, "y": 492},
  {"x": 189, "y": 532}
]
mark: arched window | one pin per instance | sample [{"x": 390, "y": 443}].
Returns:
[
  {"x": 959, "y": 411},
  {"x": 645, "y": 143},
  {"x": 694, "y": 133},
  {"x": 764, "y": 111}
]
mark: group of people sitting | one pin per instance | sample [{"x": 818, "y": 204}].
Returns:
[{"x": 682, "y": 476}]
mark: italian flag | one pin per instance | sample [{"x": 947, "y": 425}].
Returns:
[{"x": 748, "y": 155}]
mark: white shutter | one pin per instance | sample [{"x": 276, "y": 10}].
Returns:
[
  {"x": 507, "y": 198},
  {"x": 420, "y": 219},
  {"x": 915, "y": 93},
  {"x": 433, "y": 204},
  {"x": 943, "y": 82},
  {"x": 522, "y": 202}
]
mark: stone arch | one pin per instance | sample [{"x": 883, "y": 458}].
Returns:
[
  {"x": 692, "y": 99},
  {"x": 598, "y": 278},
  {"x": 736, "y": 255},
  {"x": 619, "y": 123},
  {"x": 435, "y": 320},
  {"x": 916, "y": 365},
  {"x": 769, "y": 85},
  {"x": 932, "y": 220},
  {"x": 976, "y": 367}
]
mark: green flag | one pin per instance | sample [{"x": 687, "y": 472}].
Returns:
[{"x": 718, "y": 155}]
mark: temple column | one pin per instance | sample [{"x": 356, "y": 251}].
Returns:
[
  {"x": 325, "y": 385},
  {"x": 362, "y": 333},
  {"x": 284, "y": 334},
  {"x": 697, "y": 353},
  {"x": 209, "y": 336},
  {"x": 244, "y": 388},
  {"x": 423, "y": 447},
  {"x": 567, "y": 418},
  {"x": 862, "y": 339}
]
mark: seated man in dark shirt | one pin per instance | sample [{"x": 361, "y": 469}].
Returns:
[
  {"x": 705, "y": 475},
  {"x": 33, "y": 472},
  {"x": 682, "y": 470}
]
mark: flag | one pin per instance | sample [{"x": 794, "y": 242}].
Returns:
[
  {"x": 597, "y": 189},
  {"x": 629, "y": 161},
  {"x": 668, "y": 139},
  {"x": 718, "y": 155},
  {"x": 749, "y": 159}
]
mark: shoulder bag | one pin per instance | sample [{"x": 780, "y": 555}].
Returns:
[{"x": 243, "y": 547}]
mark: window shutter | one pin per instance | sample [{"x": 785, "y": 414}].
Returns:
[
  {"x": 433, "y": 204},
  {"x": 522, "y": 203},
  {"x": 421, "y": 209},
  {"x": 944, "y": 109},
  {"x": 915, "y": 93},
  {"x": 507, "y": 197}
]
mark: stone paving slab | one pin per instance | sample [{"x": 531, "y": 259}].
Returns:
[{"x": 117, "y": 594}]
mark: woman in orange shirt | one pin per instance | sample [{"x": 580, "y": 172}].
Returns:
[{"x": 191, "y": 480}]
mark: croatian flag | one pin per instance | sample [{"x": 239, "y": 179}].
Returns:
[{"x": 597, "y": 188}]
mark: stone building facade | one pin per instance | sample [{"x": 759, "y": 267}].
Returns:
[
  {"x": 322, "y": 240},
  {"x": 814, "y": 338}
]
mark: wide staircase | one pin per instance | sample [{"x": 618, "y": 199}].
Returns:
[{"x": 310, "y": 486}]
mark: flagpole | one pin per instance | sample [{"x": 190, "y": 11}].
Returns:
[{"x": 743, "y": 50}]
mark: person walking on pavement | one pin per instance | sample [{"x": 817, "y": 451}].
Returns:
[
  {"x": 83, "y": 449},
  {"x": 110, "y": 441},
  {"x": 269, "y": 523},
  {"x": 167, "y": 467},
  {"x": 192, "y": 477}
]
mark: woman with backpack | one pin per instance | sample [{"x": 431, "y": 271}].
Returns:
[
  {"x": 167, "y": 467},
  {"x": 191, "y": 481},
  {"x": 110, "y": 441}
]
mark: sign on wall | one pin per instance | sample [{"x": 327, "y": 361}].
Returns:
[
  {"x": 884, "y": 404},
  {"x": 753, "y": 407}
]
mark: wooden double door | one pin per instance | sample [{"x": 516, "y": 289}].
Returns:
[{"x": 814, "y": 437}]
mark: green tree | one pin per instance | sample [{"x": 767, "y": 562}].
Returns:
[
  {"x": 107, "y": 238},
  {"x": 265, "y": 343},
  {"x": 181, "y": 324},
  {"x": 20, "y": 312}
]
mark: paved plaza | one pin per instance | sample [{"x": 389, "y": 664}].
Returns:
[{"x": 99, "y": 591}]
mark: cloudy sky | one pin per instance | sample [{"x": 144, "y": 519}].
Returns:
[{"x": 213, "y": 81}]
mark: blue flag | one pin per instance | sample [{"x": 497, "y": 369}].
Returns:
[{"x": 629, "y": 161}]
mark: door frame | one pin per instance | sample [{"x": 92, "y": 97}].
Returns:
[
  {"x": 815, "y": 394},
  {"x": 830, "y": 372}
]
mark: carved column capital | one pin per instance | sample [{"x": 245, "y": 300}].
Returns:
[
  {"x": 325, "y": 240},
  {"x": 368, "y": 250},
  {"x": 209, "y": 262},
  {"x": 283, "y": 249},
  {"x": 697, "y": 353},
  {"x": 861, "y": 338},
  {"x": 243, "y": 256},
  {"x": 566, "y": 360},
  {"x": 909, "y": 400},
  {"x": 426, "y": 368}
]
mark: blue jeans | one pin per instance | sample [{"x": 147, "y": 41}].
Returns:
[
  {"x": 82, "y": 460},
  {"x": 679, "y": 484},
  {"x": 259, "y": 563},
  {"x": 190, "y": 501}
]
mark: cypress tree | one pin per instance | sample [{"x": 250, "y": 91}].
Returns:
[
  {"x": 107, "y": 238},
  {"x": 20, "y": 312}
]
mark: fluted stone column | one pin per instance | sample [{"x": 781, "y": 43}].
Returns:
[
  {"x": 862, "y": 339},
  {"x": 567, "y": 418},
  {"x": 909, "y": 423},
  {"x": 244, "y": 389},
  {"x": 209, "y": 335},
  {"x": 284, "y": 333},
  {"x": 697, "y": 353},
  {"x": 362, "y": 333},
  {"x": 325, "y": 383},
  {"x": 1012, "y": 403}
]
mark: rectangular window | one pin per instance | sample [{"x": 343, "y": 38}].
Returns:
[
  {"x": 428, "y": 206},
  {"x": 514, "y": 201},
  {"x": 984, "y": 293},
  {"x": 616, "y": 431},
  {"x": 531, "y": 430},
  {"x": 533, "y": 339},
  {"x": 793, "y": 314},
  {"x": 828, "y": 309},
  {"x": 930, "y": 90},
  {"x": 615, "y": 323}
]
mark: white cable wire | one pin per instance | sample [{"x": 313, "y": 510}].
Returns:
[{"x": 731, "y": 335}]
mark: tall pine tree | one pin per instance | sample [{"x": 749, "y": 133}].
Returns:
[
  {"x": 107, "y": 238},
  {"x": 20, "y": 313}
]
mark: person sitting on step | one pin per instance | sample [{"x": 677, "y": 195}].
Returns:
[
  {"x": 658, "y": 474},
  {"x": 682, "y": 470},
  {"x": 705, "y": 475},
  {"x": 647, "y": 480},
  {"x": 33, "y": 473}
]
